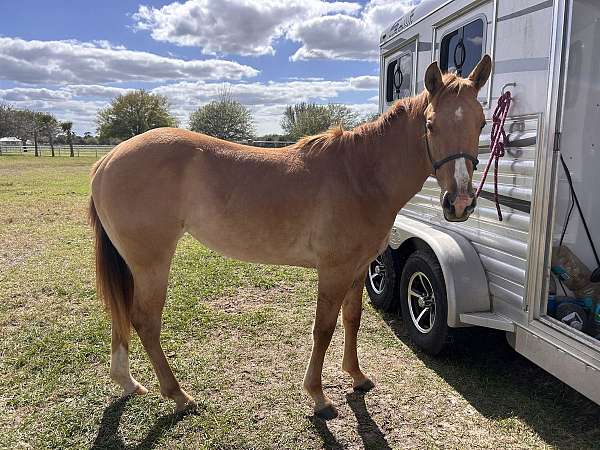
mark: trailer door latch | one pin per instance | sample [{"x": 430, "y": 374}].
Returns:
[{"x": 556, "y": 141}]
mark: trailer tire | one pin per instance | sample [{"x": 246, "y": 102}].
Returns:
[
  {"x": 423, "y": 302},
  {"x": 383, "y": 281}
]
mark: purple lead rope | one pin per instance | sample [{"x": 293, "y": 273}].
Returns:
[{"x": 498, "y": 139}]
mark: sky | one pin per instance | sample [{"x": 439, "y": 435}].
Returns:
[{"x": 72, "y": 57}]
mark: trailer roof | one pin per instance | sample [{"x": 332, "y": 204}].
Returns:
[{"x": 413, "y": 15}]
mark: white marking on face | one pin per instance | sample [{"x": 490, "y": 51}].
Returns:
[
  {"x": 461, "y": 175},
  {"x": 458, "y": 113}
]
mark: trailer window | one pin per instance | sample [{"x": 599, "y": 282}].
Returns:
[
  {"x": 462, "y": 48},
  {"x": 398, "y": 77}
]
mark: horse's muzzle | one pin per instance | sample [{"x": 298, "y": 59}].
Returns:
[{"x": 458, "y": 207}]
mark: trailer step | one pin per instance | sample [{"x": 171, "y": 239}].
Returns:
[{"x": 488, "y": 320}]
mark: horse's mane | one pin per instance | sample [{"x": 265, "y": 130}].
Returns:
[{"x": 410, "y": 107}]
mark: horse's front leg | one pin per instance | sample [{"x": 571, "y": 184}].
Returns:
[
  {"x": 351, "y": 314},
  {"x": 333, "y": 286}
]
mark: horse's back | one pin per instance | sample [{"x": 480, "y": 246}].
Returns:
[{"x": 248, "y": 203}]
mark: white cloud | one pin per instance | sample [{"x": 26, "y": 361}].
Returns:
[
  {"x": 61, "y": 62},
  {"x": 32, "y": 94},
  {"x": 343, "y": 30},
  {"x": 23, "y": 94},
  {"x": 94, "y": 90},
  {"x": 343, "y": 36},
  {"x": 367, "y": 82},
  {"x": 269, "y": 93},
  {"x": 244, "y": 27}
]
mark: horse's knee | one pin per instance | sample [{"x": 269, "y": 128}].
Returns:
[
  {"x": 351, "y": 321},
  {"x": 323, "y": 334}
]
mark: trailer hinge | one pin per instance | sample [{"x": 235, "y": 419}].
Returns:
[{"x": 556, "y": 141}]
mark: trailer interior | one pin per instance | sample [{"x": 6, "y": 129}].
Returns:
[{"x": 573, "y": 266}]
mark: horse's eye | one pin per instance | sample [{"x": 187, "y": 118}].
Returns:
[{"x": 429, "y": 125}]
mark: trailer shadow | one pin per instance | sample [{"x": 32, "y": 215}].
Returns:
[{"x": 502, "y": 384}]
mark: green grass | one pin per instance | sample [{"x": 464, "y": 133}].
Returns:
[{"x": 238, "y": 337}]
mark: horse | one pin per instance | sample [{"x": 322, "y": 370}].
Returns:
[{"x": 326, "y": 202}]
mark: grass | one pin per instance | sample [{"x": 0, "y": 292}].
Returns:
[{"x": 238, "y": 337}]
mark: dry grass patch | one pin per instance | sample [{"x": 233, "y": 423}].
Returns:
[{"x": 253, "y": 298}]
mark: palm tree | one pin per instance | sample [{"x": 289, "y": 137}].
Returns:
[
  {"x": 66, "y": 127},
  {"x": 49, "y": 126}
]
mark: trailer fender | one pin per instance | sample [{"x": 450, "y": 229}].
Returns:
[{"x": 466, "y": 282}]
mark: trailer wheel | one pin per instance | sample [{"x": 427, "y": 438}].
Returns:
[
  {"x": 383, "y": 281},
  {"x": 423, "y": 301}
]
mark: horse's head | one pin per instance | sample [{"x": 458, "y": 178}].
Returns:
[{"x": 453, "y": 121}]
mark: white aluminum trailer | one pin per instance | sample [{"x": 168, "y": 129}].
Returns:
[{"x": 496, "y": 274}]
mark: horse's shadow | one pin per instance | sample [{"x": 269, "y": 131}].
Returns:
[
  {"x": 108, "y": 436},
  {"x": 367, "y": 428}
]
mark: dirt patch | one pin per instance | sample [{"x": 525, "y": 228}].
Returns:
[{"x": 253, "y": 298}]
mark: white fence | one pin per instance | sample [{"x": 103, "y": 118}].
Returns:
[
  {"x": 96, "y": 150},
  {"x": 59, "y": 150}
]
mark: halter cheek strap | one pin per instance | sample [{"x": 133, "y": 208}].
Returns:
[{"x": 437, "y": 164}]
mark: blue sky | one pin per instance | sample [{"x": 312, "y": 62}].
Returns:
[{"x": 73, "y": 57}]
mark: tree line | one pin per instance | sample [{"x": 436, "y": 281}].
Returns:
[
  {"x": 138, "y": 111},
  {"x": 39, "y": 127}
]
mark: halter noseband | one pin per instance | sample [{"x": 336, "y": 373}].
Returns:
[{"x": 437, "y": 164}]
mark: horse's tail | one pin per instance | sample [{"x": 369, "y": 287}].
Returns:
[{"x": 114, "y": 282}]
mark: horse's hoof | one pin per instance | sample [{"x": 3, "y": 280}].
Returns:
[
  {"x": 364, "y": 387},
  {"x": 187, "y": 407},
  {"x": 327, "y": 413},
  {"x": 141, "y": 390},
  {"x": 136, "y": 389}
]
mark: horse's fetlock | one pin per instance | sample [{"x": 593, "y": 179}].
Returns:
[
  {"x": 312, "y": 386},
  {"x": 173, "y": 392}
]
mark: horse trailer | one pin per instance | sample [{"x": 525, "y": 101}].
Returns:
[{"x": 501, "y": 274}]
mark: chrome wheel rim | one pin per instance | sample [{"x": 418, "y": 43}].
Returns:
[
  {"x": 421, "y": 302},
  {"x": 377, "y": 277}
]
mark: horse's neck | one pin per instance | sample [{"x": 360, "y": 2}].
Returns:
[{"x": 403, "y": 164}]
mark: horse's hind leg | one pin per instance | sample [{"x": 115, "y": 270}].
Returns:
[
  {"x": 119, "y": 365},
  {"x": 146, "y": 314}
]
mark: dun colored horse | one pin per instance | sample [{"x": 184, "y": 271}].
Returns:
[{"x": 328, "y": 202}]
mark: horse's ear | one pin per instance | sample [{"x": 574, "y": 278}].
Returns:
[
  {"x": 481, "y": 72},
  {"x": 433, "y": 78}
]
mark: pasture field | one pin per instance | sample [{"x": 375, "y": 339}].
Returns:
[{"x": 238, "y": 336}]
